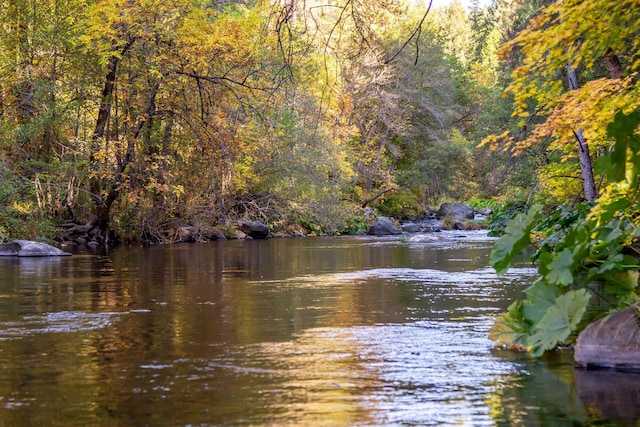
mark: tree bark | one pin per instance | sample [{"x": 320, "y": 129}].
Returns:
[
  {"x": 101, "y": 209},
  {"x": 102, "y": 204},
  {"x": 613, "y": 65},
  {"x": 586, "y": 166}
]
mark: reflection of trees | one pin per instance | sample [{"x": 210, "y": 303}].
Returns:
[
  {"x": 322, "y": 379},
  {"x": 209, "y": 327},
  {"x": 543, "y": 396}
]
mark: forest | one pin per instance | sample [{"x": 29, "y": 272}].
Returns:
[{"x": 137, "y": 118}]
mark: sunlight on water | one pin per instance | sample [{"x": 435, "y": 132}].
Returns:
[
  {"x": 425, "y": 373},
  {"x": 58, "y": 322}
]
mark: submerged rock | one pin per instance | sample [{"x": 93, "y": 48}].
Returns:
[
  {"x": 425, "y": 238},
  {"x": 611, "y": 342},
  {"x": 27, "y": 248},
  {"x": 410, "y": 228}
]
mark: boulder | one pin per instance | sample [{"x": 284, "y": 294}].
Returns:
[
  {"x": 27, "y": 248},
  {"x": 455, "y": 211},
  {"x": 410, "y": 228},
  {"x": 383, "y": 226},
  {"x": 217, "y": 235},
  {"x": 611, "y": 342},
  {"x": 255, "y": 229},
  {"x": 185, "y": 234}
]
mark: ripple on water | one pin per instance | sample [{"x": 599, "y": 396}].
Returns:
[
  {"x": 58, "y": 322},
  {"x": 423, "y": 373},
  {"x": 462, "y": 279}
]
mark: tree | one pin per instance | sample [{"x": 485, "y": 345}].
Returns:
[
  {"x": 582, "y": 35},
  {"x": 586, "y": 253},
  {"x": 179, "y": 83},
  {"x": 39, "y": 53}
]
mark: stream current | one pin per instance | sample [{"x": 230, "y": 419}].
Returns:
[{"x": 348, "y": 331}]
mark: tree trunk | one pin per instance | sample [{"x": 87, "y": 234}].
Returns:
[
  {"x": 102, "y": 202},
  {"x": 586, "y": 166},
  {"x": 613, "y": 65},
  {"x": 101, "y": 207}
]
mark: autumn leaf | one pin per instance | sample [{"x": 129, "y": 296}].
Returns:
[{"x": 510, "y": 328}]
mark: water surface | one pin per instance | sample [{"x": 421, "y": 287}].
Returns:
[{"x": 312, "y": 331}]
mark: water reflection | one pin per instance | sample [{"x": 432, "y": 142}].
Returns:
[
  {"x": 609, "y": 395},
  {"x": 348, "y": 331}
]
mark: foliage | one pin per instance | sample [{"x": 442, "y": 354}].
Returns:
[
  {"x": 400, "y": 203},
  {"x": 480, "y": 203},
  {"x": 586, "y": 258},
  {"x": 158, "y": 114},
  {"x": 579, "y": 34},
  {"x": 358, "y": 223},
  {"x": 22, "y": 212},
  {"x": 501, "y": 215},
  {"x": 516, "y": 237},
  {"x": 595, "y": 41}
]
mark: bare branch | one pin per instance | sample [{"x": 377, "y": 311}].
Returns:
[{"x": 416, "y": 34}]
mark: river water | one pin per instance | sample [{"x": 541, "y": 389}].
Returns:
[{"x": 350, "y": 331}]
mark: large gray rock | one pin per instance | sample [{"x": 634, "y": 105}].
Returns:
[
  {"x": 255, "y": 229},
  {"x": 455, "y": 210},
  {"x": 410, "y": 228},
  {"x": 27, "y": 248},
  {"x": 383, "y": 226},
  {"x": 611, "y": 342}
]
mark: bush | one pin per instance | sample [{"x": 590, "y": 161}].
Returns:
[
  {"x": 400, "y": 203},
  {"x": 21, "y": 216},
  {"x": 498, "y": 220}
]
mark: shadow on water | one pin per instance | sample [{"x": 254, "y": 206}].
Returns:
[
  {"x": 317, "y": 331},
  {"x": 556, "y": 393}
]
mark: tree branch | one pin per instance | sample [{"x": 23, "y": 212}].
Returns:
[{"x": 416, "y": 33}]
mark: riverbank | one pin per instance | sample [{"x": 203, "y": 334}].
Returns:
[{"x": 450, "y": 216}]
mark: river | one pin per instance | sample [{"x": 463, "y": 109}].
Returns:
[{"x": 348, "y": 331}]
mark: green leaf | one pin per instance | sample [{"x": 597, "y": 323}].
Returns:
[
  {"x": 510, "y": 328},
  {"x": 559, "y": 321},
  {"x": 622, "y": 129},
  {"x": 540, "y": 297},
  {"x": 560, "y": 269},
  {"x": 516, "y": 237},
  {"x": 544, "y": 258},
  {"x": 624, "y": 284}
]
